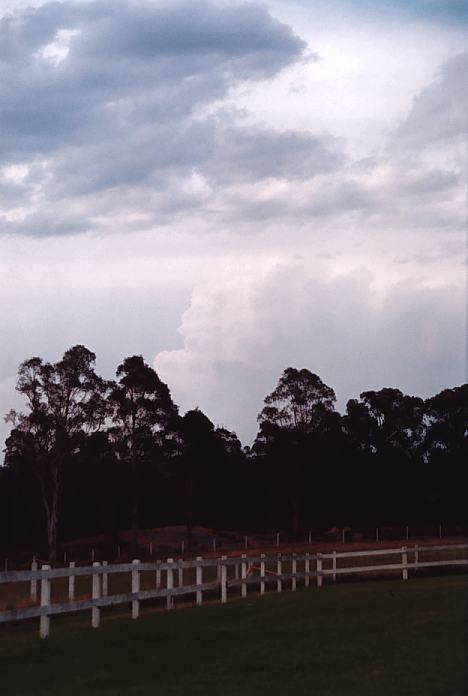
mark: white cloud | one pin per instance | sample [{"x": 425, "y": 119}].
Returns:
[
  {"x": 241, "y": 332},
  {"x": 57, "y": 50}
]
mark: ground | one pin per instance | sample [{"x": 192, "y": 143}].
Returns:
[{"x": 385, "y": 638}]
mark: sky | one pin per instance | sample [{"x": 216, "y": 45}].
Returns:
[{"x": 231, "y": 188}]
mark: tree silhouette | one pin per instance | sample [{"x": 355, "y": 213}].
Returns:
[
  {"x": 300, "y": 401},
  {"x": 143, "y": 414},
  {"x": 64, "y": 402},
  {"x": 295, "y": 413}
]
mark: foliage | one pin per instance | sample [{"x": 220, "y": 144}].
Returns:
[{"x": 101, "y": 456}]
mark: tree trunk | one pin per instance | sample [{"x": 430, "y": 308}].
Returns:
[
  {"x": 135, "y": 507},
  {"x": 51, "y": 508}
]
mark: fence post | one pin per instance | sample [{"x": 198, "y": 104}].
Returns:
[
  {"x": 33, "y": 590},
  {"x": 135, "y": 589},
  {"x": 214, "y": 545},
  {"x": 279, "y": 570},
  {"x": 294, "y": 571},
  {"x": 407, "y": 532},
  {"x": 343, "y": 536},
  {"x": 307, "y": 570},
  {"x": 244, "y": 576},
  {"x": 170, "y": 583},
  {"x": 96, "y": 593},
  {"x": 151, "y": 549},
  {"x": 440, "y": 531},
  {"x": 416, "y": 557},
  {"x": 180, "y": 573},
  {"x": 71, "y": 582},
  {"x": 376, "y": 533},
  {"x": 246, "y": 542},
  {"x": 404, "y": 562},
  {"x": 262, "y": 574},
  {"x": 334, "y": 566},
  {"x": 158, "y": 574},
  {"x": 277, "y": 539},
  {"x": 105, "y": 580},
  {"x": 199, "y": 579},
  {"x": 310, "y": 538},
  {"x": 223, "y": 580},
  {"x": 44, "y": 627},
  {"x": 319, "y": 570}
]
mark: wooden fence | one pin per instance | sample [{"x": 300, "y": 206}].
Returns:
[{"x": 228, "y": 574}]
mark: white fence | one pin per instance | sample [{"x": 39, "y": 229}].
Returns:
[{"x": 229, "y": 573}]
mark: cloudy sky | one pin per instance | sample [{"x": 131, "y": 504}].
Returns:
[{"x": 229, "y": 188}]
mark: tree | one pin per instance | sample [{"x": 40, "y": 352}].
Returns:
[
  {"x": 301, "y": 401},
  {"x": 446, "y": 453},
  {"x": 143, "y": 415},
  {"x": 296, "y": 417},
  {"x": 387, "y": 420},
  {"x": 447, "y": 414},
  {"x": 64, "y": 403},
  {"x": 385, "y": 431}
]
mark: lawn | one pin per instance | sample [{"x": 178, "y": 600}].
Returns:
[{"x": 387, "y": 638}]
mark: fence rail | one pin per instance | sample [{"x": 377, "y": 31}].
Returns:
[{"x": 230, "y": 573}]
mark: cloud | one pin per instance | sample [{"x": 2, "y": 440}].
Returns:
[
  {"x": 126, "y": 64},
  {"x": 118, "y": 109},
  {"x": 451, "y": 12},
  {"x": 109, "y": 97},
  {"x": 438, "y": 116},
  {"x": 241, "y": 333}
]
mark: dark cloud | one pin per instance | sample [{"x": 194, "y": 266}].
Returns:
[
  {"x": 127, "y": 62},
  {"x": 438, "y": 113},
  {"x": 45, "y": 223},
  {"x": 259, "y": 153},
  {"x": 112, "y": 96}
]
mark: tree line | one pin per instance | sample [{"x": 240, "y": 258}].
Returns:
[{"x": 89, "y": 455}]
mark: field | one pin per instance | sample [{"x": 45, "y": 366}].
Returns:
[{"x": 382, "y": 638}]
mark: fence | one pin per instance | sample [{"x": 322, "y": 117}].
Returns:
[{"x": 227, "y": 574}]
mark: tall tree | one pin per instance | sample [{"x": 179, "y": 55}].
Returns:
[
  {"x": 64, "y": 403},
  {"x": 301, "y": 401},
  {"x": 143, "y": 416},
  {"x": 387, "y": 420},
  {"x": 295, "y": 413},
  {"x": 385, "y": 431},
  {"x": 446, "y": 453}
]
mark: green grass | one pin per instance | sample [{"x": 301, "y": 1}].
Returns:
[{"x": 386, "y": 638}]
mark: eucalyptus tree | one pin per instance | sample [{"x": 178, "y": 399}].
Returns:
[
  {"x": 387, "y": 420},
  {"x": 300, "y": 401},
  {"x": 386, "y": 431},
  {"x": 143, "y": 419},
  {"x": 446, "y": 453},
  {"x": 297, "y": 415},
  {"x": 64, "y": 402},
  {"x": 447, "y": 418}
]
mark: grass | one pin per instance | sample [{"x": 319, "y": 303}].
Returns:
[{"x": 386, "y": 638}]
